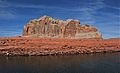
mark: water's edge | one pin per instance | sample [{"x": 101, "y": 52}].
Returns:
[{"x": 84, "y": 63}]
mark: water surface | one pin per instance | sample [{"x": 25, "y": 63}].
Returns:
[{"x": 97, "y": 63}]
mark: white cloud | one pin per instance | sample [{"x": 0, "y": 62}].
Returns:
[
  {"x": 5, "y": 4},
  {"x": 7, "y": 15},
  {"x": 118, "y": 8},
  {"x": 108, "y": 35},
  {"x": 9, "y": 33}
]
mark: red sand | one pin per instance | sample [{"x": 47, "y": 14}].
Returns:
[{"x": 47, "y": 46}]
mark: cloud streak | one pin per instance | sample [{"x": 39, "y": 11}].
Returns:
[
  {"x": 87, "y": 12},
  {"x": 90, "y": 6}
]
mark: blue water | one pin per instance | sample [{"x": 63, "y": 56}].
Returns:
[{"x": 97, "y": 63}]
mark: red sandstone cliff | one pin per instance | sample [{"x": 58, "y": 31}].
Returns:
[{"x": 54, "y": 28}]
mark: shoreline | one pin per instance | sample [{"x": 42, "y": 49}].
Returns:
[
  {"x": 27, "y": 55},
  {"x": 21, "y": 46}
]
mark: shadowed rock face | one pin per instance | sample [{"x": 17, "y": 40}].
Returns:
[{"x": 48, "y": 27}]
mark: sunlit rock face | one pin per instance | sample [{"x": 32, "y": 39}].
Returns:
[{"x": 54, "y": 28}]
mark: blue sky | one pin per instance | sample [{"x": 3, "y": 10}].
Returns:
[{"x": 104, "y": 14}]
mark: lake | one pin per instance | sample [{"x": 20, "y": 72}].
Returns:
[{"x": 91, "y": 63}]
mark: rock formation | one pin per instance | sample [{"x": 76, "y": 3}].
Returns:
[{"x": 54, "y": 28}]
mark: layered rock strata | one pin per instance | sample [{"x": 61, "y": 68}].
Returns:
[{"x": 54, "y": 28}]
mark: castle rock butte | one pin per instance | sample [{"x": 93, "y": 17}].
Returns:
[{"x": 49, "y": 27}]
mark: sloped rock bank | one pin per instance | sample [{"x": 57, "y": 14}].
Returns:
[
  {"x": 54, "y": 28},
  {"x": 48, "y": 46}
]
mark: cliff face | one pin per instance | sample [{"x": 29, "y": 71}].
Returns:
[{"x": 48, "y": 27}]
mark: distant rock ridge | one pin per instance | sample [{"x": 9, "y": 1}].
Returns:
[{"x": 49, "y": 27}]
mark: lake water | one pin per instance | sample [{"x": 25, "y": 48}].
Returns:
[{"x": 97, "y": 63}]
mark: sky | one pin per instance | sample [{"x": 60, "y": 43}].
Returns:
[{"x": 103, "y": 14}]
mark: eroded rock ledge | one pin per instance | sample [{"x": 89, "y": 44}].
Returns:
[
  {"x": 54, "y": 28},
  {"x": 54, "y": 46}
]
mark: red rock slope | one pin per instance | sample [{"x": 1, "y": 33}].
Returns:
[{"x": 48, "y": 46}]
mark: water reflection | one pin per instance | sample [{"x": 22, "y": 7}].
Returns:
[{"x": 98, "y": 63}]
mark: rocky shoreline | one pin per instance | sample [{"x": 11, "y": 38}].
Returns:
[{"x": 26, "y": 46}]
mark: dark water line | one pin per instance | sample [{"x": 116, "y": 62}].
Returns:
[{"x": 91, "y": 63}]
